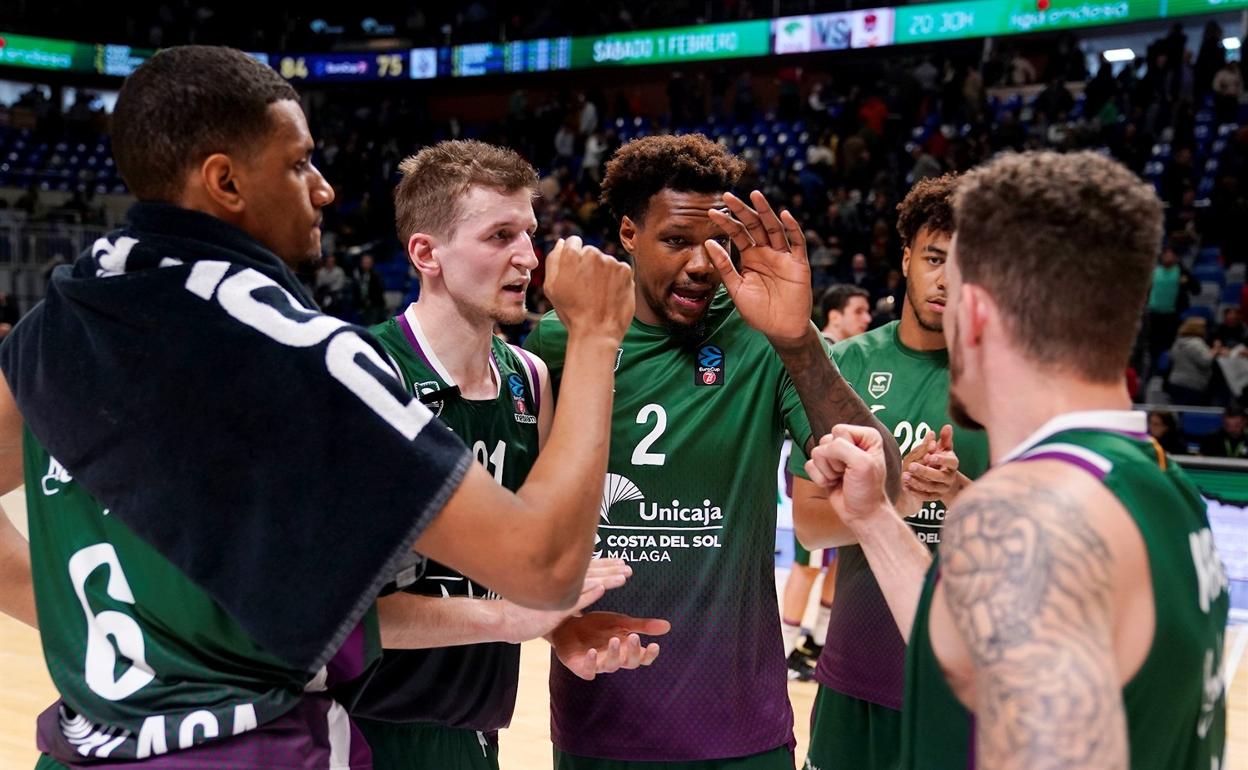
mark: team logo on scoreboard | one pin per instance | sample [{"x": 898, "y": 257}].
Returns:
[
  {"x": 879, "y": 384},
  {"x": 515, "y": 384},
  {"x": 710, "y": 369}
]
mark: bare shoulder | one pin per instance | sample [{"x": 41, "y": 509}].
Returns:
[{"x": 1031, "y": 569}]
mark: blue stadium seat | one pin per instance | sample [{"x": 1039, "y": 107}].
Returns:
[
  {"x": 1200, "y": 424},
  {"x": 1204, "y": 312},
  {"x": 1232, "y": 292},
  {"x": 1207, "y": 272},
  {"x": 1210, "y": 255}
]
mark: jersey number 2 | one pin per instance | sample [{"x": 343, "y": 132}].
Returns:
[{"x": 642, "y": 454}]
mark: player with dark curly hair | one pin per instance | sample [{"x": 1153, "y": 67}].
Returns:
[
  {"x": 902, "y": 371},
  {"x": 708, "y": 379}
]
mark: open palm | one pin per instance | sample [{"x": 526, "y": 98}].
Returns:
[
  {"x": 604, "y": 642},
  {"x": 772, "y": 288}
]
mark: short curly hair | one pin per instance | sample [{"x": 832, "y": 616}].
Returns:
[
  {"x": 1065, "y": 245},
  {"x": 928, "y": 204},
  {"x": 184, "y": 104},
  {"x": 646, "y": 166}
]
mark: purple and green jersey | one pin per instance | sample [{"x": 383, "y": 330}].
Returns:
[
  {"x": 690, "y": 502},
  {"x": 908, "y": 390},
  {"x": 1176, "y": 703},
  {"x": 150, "y": 668},
  {"x": 469, "y": 686}
]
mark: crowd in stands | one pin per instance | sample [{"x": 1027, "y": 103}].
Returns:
[
  {"x": 839, "y": 151},
  {"x": 318, "y": 25}
]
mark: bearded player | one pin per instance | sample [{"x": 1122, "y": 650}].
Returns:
[
  {"x": 901, "y": 370},
  {"x": 1074, "y": 615}
]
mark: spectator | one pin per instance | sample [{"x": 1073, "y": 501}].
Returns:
[
  {"x": 1232, "y": 331},
  {"x": 1229, "y": 440},
  {"x": 330, "y": 282},
  {"x": 1191, "y": 364},
  {"x": 1228, "y": 85},
  {"x": 371, "y": 292},
  {"x": 1212, "y": 57},
  {"x": 1169, "y": 296},
  {"x": 9, "y": 312},
  {"x": 1164, "y": 427}
]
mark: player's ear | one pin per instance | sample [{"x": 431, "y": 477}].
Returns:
[
  {"x": 905, "y": 262},
  {"x": 217, "y": 177},
  {"x": 628, "y": 233},
  {"x": 976, "y": 312},
  {"x": 421, "y": 252}
]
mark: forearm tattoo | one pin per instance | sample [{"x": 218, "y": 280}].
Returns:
[
  {"x": 829, "y": 400},
  {"x": 1028, "y": 582}
]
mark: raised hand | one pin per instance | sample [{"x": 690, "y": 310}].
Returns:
[
  {"x": 772, "y": 289},
  {"x": 605, "y": 642},
  {"x": 849, "y": 464},
  {"x": 591, "y": 291}
]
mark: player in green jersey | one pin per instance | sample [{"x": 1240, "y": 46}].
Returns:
[
  {"x": 465, "y": 214},
  {"x": 205, "y": 555},
  {"x": 1075, "y": 613},
  {"x": 845, "y": 311},
  {"x": 902, "y": 371},
  {"x": 707, "y": 381}
]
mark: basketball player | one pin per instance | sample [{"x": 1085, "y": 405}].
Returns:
[
  {"x": 465, "y": 214},
  {"x": 220, "y": 478},
  {"x": 1076, "y": 609},
  {"x": 901, "y": 370},
  {"x": 846, "y": 312},
  {"x": 705, "y": 388}
]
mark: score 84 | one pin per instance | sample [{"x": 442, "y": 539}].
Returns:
[{"x": 293, "y": 68}]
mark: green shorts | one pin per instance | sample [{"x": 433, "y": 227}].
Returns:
[
  {"x": 48, "y": 763},
  {"x": 424, "y": 746},
  {"x": 846, "y": 732},
  {"x": 820, "y": 558},
  {"x": 780, "y": 758}
]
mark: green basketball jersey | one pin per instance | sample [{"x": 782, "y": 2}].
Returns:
[
  {"x": 1175, "y": 704},
  {"x": 908, "y": 390},
  {"x": 470, "y": 686},
  {"x": 690, "y": 502},
  {"x": 147, "y": 663}
]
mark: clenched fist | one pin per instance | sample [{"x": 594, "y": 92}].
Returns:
[{"x": 591, "y": 291}]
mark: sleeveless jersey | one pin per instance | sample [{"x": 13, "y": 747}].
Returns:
[
  {"x": 1175, "y": 704},
  {"x": 470, "y": 686},
  {"x": 690, "y": 501},
  {"x": 150, "y": 668},
  {"x": 908, "y": 390}
]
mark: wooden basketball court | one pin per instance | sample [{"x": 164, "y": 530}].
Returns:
[{"x": 526, "y": 746}]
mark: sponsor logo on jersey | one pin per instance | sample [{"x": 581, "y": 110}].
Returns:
[
  {"x": 515, "y": 384},
  {"x": 56, "y": 477},
  {"x": 710, "y": 369},
  {"x": 424, "y": 389},
  {"x": 659, "y": 527},
  {"x": 879, "y": 384}
]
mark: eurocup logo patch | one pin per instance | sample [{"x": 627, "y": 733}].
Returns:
[
  {"x": 879, "y": 383},
  {"x": 515, "y": 384},
  {"x": 710, "y": 369}
]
